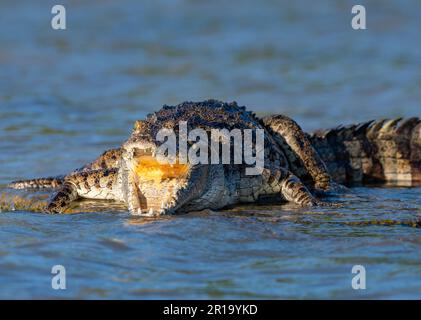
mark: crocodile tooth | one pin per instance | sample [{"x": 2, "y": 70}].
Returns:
[
  {"x": 151, "y": 211},
  {"x": 139, "y": 211}
]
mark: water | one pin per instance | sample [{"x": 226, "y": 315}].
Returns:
[{"x": 66, "y": 96}]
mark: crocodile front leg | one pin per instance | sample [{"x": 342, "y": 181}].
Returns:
[
  {"x": 290, "y": 187},
  {"x": 95, "y": 184},
  {"x": 288, "y": 131},
  {"x": 62, "y": 199}
]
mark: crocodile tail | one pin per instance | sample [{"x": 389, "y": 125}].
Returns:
[
  {"x": 40, "y": 183},
  {"x": 377, "y": 151}
]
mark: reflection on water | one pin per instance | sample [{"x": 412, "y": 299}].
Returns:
[{"x": 65, "y": 97}]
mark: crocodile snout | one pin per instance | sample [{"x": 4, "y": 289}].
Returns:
[{"x": 157, "y": 183}]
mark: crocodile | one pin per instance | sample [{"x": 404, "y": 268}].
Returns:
[{"x": 298, "y": 167}]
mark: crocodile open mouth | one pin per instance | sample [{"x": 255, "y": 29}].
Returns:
[
  {"x": 158, "y": 183},
  {"x": 148, "y": 168}
]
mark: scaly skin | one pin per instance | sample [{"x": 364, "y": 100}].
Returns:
[
  {"x": 378, "y": 151},
  {"x": 295, "y": 163}
]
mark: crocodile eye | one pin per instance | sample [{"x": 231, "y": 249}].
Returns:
[{"x": 139, "y": 125}]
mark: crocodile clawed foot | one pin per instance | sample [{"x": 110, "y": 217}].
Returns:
[
  {"x": 332, "y": 189},
  {"x": 328, "y": 204},
  {"x": 314, "y": 202},
  {"x": 51, "y": 209}
]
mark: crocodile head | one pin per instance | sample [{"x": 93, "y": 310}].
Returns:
[{"x": 153, "y": 185}]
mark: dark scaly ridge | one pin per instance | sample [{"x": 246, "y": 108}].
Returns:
[{"x": 383, "y": 150}]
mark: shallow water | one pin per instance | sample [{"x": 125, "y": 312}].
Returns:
[{"x": 67, "y": 96}]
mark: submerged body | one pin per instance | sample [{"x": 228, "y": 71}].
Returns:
[{"x": 296, "y": 165}]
